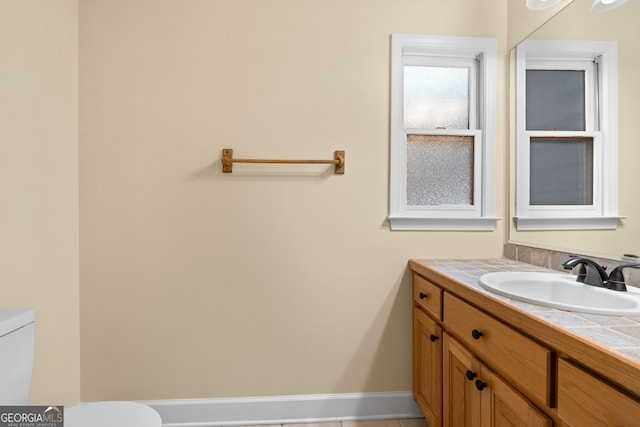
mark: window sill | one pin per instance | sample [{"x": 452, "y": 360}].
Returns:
[
  {"x": 586, "y": 223},
  {"x": 443, "y": 224}
]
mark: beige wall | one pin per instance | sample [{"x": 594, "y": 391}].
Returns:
[
  {"x": 274, "y": 280},
  {"x": 39, "y": 185},
  {"x": 522, "y": 21}
]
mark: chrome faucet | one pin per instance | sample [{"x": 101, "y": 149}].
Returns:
[
  {"x": 590, "y": 273},
  {"x": 616, "y": 278}
]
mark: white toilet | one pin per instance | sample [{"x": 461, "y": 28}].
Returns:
[{"x": 17, "y": 344}]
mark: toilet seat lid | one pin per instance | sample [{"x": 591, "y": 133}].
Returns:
[{"x": 111, "y": 414}]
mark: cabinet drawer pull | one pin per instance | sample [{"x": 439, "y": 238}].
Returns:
[
  {"x": 476, "y": 334},
  {"x": 423, "y": 295},
  {"x": 471, "y": 375},
  {"x": 480, "y": 385},
  {"x": 433, "y": 338}
]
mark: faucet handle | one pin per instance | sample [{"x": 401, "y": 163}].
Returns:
[{"x": 616, "y": 278}]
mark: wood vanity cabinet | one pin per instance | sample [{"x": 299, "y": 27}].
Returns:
[
  {"x": 453, "y": 384},
  {"x": 494, "y": 365},
  {"x": 480, "y": 362}
]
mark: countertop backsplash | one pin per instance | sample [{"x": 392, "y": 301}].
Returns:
[{"x": 553, "y": 260}]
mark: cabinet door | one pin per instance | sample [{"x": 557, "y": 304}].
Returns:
[
  {"x": 461, "y": 398},
  {"x": 476, "y": 396},
  {"x": 606, "y": 405},
  {"x": 427, "y": 366},
  {"x": 502, "y": 406}
]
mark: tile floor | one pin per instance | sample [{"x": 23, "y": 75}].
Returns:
[{"x": 409, "y": 422}]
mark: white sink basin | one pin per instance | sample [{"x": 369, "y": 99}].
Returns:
[{"x": 562, "y": 291}]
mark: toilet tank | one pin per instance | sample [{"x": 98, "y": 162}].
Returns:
[{"x": 17, "y": 344}]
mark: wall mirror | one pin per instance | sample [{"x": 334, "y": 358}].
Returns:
[{"x": 577, "y": 21}]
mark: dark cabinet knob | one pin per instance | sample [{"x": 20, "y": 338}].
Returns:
[
  {"x": 423, "y": 295},
  {"x": 433, "y": 338},
  {"x": 480, "y": 385},
  {"x": 476, "y": 334},
  {"x": 471, "y": 375}
]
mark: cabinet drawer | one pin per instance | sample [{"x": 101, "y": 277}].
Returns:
[
  {"x": 606, "y": 405},
  {"x": 520, "y": 360},
  {"x": 428, "y": 296}
]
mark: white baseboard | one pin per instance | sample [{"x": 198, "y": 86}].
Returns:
[{"x": 286, "y": 409}]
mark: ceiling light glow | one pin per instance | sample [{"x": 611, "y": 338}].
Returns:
[
  {"x": 602, "y": 5},
  {"x": 542, "y": 4}
]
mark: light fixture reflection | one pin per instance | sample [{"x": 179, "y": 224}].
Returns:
[
  {"x": 542, "y": 4},
  {"x": 602, "y": 5}
]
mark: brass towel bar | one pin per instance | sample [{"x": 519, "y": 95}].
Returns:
[{"x": 228, "y": 161}]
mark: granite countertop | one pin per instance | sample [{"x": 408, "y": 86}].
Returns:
[{"x": 618, "y": 334}]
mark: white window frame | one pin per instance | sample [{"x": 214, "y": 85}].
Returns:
[
  {"x": 432, "y": 50},
  {"x": 601, "y": 111}
]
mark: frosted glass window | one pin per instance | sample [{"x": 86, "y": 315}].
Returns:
[
  {"x": 561, "y": 171},
  {"x": 436, "y": 97},
  {"x": 555, "y": 100},
  {"x": 442, "y": 130},
  {"x": 439, "y": 170}
]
